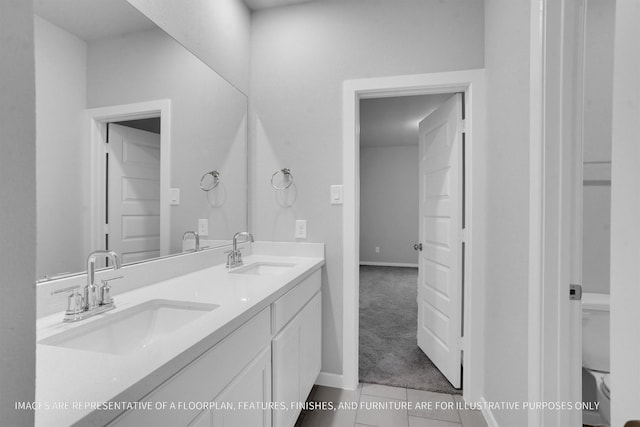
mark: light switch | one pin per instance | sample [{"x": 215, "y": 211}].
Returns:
[
  {"x": 174, "y": 196},
  {"x": 203, "y": 227},
  {"x": 301, "y": 229},
  {"x": 336, "y": 194}
]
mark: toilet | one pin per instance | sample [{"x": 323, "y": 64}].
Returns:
[{"x": 595, "y": 354}]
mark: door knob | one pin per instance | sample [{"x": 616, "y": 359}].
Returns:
[{"x": 417, "y": 247}]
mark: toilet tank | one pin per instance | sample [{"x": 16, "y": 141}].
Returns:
[{"x": 595, "y": 331}]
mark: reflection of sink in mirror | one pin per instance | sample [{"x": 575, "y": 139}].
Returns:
[
  {"x": 264, "y": 268},
  {"x": 132, "y": 329}
]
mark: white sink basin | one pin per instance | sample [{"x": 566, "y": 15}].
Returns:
[
  {"x": 132, "y": 329},
  {"x": 264, "y": 268}
]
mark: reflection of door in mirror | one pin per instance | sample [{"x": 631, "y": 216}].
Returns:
[
  {"x": 133, "y": 191},
  {"x": 103, "y": 62}
]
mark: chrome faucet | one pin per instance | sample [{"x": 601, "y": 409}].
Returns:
[
  {"x": 195, "y": 236},
  {"x": 234, "y": 259},
  {"x": 95, "y": 299}
]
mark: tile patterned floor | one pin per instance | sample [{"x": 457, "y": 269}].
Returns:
[{"x": 372, "y": 405}]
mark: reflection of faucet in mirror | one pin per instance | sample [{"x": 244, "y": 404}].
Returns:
[
  {"x": 195, "y": 236},
  {"x": 96, "y": 299},
  {"x": 234, "y": 259}
]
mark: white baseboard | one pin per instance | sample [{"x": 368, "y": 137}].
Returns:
[
  {"x": 330, "y": 380},
  {"x": 487, "y": 414},
  {"x": 389, "y": 264}
]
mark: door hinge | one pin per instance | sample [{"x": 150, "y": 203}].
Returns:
[
  {"x": 105, "y": 229},
  {"x": 462, "y": 126},
  {"x": 461, "y": 343},
  {"x": 575, "y": 292},
  {"x": 463, "y": 235}
]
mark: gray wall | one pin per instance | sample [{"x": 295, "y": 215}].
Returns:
[
  {"x": 215, "y": 31},
  {"x": 300, "y": 55},
  {"x": 507, "y": 24},
  {"x": 61, "y": 99},
  {"x": 17, "y": 211},
  {"x": 598, "y": 76},
  {"x": 598, "y": 99},
  {"x": 389, "y": 204}
]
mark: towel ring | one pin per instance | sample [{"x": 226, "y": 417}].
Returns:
[
  {"x": 207, "y": 184},
  {"x": 286, "y": 173}
]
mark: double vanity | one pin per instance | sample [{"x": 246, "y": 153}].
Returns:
[{"x": 212, "y": 346}]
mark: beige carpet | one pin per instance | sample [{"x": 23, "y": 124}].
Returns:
[{"x": 389, "y": 353}]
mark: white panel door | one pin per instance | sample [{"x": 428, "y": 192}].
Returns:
[
  {"x": 133, "y": 196},
  {"x": 440, "y": 228}
]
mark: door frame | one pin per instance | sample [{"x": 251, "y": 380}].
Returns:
[
  {"x": 555, "y": 197},
  {"x": 472, "y": 83},
  {"x": 97, "y": 119}
]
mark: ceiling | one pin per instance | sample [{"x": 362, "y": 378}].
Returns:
[
  {"x": 393, "y": 121},
  {"x": 266, "y": 4},
  {"x": 93, "y": 19}
]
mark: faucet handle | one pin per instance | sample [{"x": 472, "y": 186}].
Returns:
[
  {"x": 105, "y": 290},
  {"x": 67, "y": 289},
  {"x": 75, "y": 301}
]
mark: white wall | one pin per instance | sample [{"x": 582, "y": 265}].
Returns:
[
  {"x": 215, "y": 31},
  {"x": 625, "y": 230},
  {"x": 598, "y": 98},
  {"x": 208, "y": 124},
  {"x": 17, "y": 211},
  {"x": 389, "y": 204},
  {"x": 507, "y": 64},
  {"x": 300, "y": 55},
  {"x": 61, "y": 98}
]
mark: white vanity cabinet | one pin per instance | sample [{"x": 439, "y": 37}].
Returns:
[
  {"x": 236, "y": 368},
  {"x": 296, "y": 348},
  {"x": 257, "y": 376}
]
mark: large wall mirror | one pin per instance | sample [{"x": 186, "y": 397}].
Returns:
[{"x": 138, "y": 141}]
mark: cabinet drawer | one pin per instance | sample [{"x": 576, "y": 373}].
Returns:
[
  {"x": 204, "y": 378},
  {"x": 290, "y": 303}
]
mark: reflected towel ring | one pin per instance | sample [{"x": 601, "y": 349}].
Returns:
[
  {"x": 207, "y": 184},
  {"x": 286, "y": 174}
]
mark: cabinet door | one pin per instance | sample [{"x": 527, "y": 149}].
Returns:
[
  {"x": 246, "y": 401},
  {"x": 310, "y": 345},
  {"x": 296, "y": 361},
  {"x": 203, "y": 420},
  {"x": 286, "y": 372}
]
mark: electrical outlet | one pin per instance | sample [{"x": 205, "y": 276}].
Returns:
[
  {"x": 203, "y": 227},
  {"x": 301, "y": 229},
  {"x": 377, "y": 249}
]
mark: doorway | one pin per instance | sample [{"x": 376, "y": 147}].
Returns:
[
  {"x": 471, "y": 83},
  {"x": 402, "y": 159},
  {"x": 100, "y": 121}
]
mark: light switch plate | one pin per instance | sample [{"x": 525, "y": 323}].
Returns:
[
  {"x": 336, "y": 194},
  {"x": 301, "y": 229},
  {"x": 203, "y": 227},
  {"x": 174, "y": 196}
]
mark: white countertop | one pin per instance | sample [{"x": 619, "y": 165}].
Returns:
[{"x": 69, "y": 380}]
